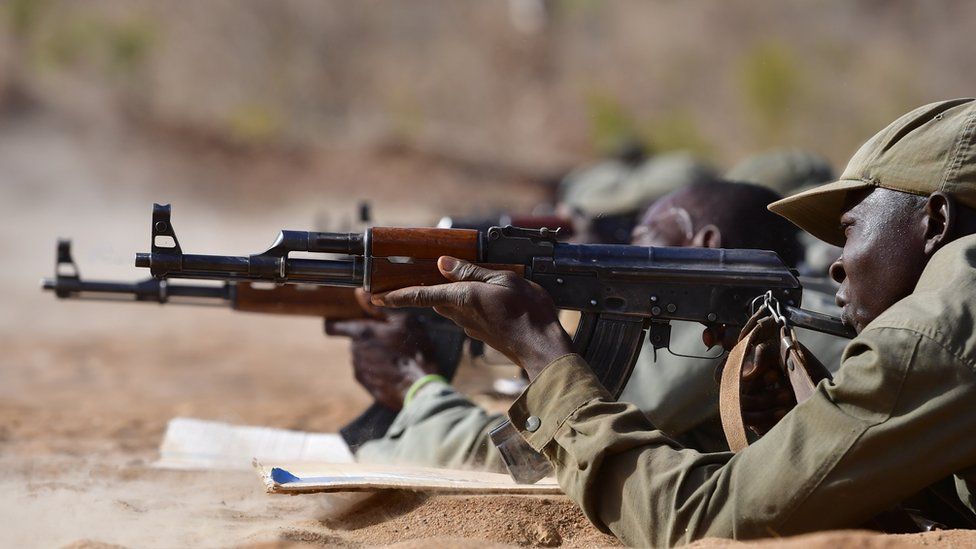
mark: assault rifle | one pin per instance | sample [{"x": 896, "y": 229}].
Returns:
[
  {"x": 626, "y": 294},
  {"x": 330, "y": 303}
]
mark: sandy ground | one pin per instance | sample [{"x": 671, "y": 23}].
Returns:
[{"x": 87, "y": 388}]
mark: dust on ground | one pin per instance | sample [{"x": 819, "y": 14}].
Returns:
[{"x": 87, "y": 388}]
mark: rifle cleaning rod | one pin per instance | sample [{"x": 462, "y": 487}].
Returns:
[
  {"x": 149, "y": 289},
  {"x": 223, "y": 267}
]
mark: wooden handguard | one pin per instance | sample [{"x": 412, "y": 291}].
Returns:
[
  {"x": 424, "y": 243},
  {"x": 420, "y": 249},
  {"x": 386, "y": 276},
  {"x": 323, "y": 301}
]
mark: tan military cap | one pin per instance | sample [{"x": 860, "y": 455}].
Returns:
[
  {"x": 932, "y": 148},
  {"x": 783, "y": 170},
  {"x": 612, "y": 188}
]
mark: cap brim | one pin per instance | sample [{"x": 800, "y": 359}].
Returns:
[{"x": 818, "y": 210}]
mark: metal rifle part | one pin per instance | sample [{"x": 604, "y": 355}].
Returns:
[
  {"x": 67, "y": 283},
  {"x": 551, "y": 222},
  {"x": 373, "y": 423},
  {"x": 626, "y": 294},
  {"x": 167, "y": 259}
]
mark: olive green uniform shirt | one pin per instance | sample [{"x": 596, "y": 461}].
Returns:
[
  {"x": 441, "y": 427},
  {"x": 899, "y": 415},
  {"x": 679, "y": 395}
]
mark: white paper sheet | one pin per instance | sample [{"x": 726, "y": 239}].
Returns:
[{"x": 200, "y": 444}]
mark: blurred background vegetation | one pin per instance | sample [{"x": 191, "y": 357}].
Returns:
[{"x": 526, "y": 85}]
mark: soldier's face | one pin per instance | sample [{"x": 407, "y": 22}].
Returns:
[{"x": 884, "y": 253}]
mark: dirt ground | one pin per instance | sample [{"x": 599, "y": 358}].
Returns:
[{"x": 87, "y": 388}]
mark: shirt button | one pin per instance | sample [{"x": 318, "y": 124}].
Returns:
[{"x": 532, "y": 424}]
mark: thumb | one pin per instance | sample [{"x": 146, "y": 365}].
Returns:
[
  {"x": 365, "y": 303},
  {"x": 458, "y": 270}
]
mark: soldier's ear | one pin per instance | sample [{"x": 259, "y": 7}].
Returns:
[
  {"x": 708, "y": 236},
  {"x": 940, "y": 219}
]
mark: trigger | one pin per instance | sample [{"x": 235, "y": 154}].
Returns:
[{"x": 659, "y": 334}]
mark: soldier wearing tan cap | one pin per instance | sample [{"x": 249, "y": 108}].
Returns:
[
  {"x": 898, "y": 417},
  {"x": 675, "y": 389}
]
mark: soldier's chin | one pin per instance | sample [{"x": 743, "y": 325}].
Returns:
[{"x": 852, "y": 320}]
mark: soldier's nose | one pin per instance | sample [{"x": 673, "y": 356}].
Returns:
[{"x": 836, "y": 271}]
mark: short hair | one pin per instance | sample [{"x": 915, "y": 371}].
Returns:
[{"x": 739, "y": 211}]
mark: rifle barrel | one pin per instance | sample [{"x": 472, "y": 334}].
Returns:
[{"x": 803, "y": 318}]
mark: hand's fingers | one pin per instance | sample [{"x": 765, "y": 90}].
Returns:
[
  {"x": 355, "y": 329},
  {"x": 421, "y": 296},
  {"x": 363, "y": 298},
  {"x": 712, "y": 335},
  {"x": 761, "y": 363},
  {"x": 773, "y": 375},
  {"x": 750, "y": 370},
  {"x": 457, "y": 270},
  {"x": 720, "y": 334},
  {"x": 449, "y": 312}
]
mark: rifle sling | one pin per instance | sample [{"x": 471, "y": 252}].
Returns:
[{"x": 932, "y": 508}]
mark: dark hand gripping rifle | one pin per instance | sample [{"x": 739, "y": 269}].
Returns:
[
  {"x": 626, "y": 294},
  {"x": 330, "y": 303}
]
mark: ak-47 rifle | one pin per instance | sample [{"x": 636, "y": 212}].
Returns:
[
  {"x": 330, "y": 303},
  {"x": 626, "y": 294}
]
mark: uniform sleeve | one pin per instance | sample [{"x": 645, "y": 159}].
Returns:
[
  {"x": 439, "y": 428},
  {"x": 896, "y": 419}
]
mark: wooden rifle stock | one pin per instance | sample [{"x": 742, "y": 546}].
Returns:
[
  {"x": 419, "y": 250},
  {"x": 334, "y": 303},
  {"x": 424, "y": 243}
]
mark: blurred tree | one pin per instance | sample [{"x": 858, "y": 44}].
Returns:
[
  {"x": 610, "y": 123},
  {"x": 678, "y": 130},
  {"x": 254, "y": 123},
  {"x": 771, "y": 84},
  {"x": 22, "y": 18}
]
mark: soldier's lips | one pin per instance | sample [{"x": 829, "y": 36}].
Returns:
[
  {"x": 848, "y": 318},
  {"x": 846, "y": 315}
]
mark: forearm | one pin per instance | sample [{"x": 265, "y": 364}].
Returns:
[
  {"x": 642, "y": 486},
  {"x": 628, "y": 478}
]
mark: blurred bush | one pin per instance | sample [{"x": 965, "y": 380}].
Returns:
[
  {"x": 771, "y": 84},
  {"x": 530, "y": 83}
]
